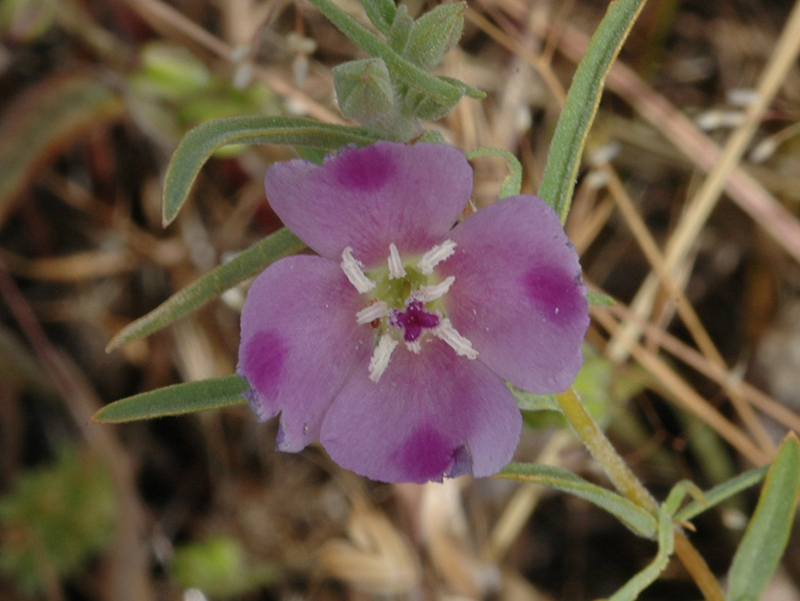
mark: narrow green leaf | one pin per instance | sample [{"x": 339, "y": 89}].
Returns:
[
  {"x": 720, "y": 493},
  {"x": 414, "y": 77},
  {"x": 566, "y": 149},
  {"x": 512, "y": 183},
  {"x": 178, "y": 399},
  {"x": 666, "y": 545},
  {"x": 201, "y": 142},
  {"x": 768, "y": 532},
  {"x": 244, "y": 265},
  {"x": 631, "y": 515}
]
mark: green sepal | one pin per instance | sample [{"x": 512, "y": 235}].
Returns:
[
  {"x": 400, "y": 30},
  {"x": 598, "y": 299},
  {"x": 365, "y": 92},
  {"x": 434, "y": 34},
  {"x": 381, "y": 13},
  {"x": 178, "y": 399}
]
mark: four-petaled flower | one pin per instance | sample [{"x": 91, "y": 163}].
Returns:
[{"x": 393, "y": 345}]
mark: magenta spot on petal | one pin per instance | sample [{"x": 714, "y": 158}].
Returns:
[
  {"x": 263, "y": 361},
  {"x": 368, "y": 169},
  {"x": 425, "y": 455},
  {"x": 413, "y": 320},
  {"x": 557, "y": 294}
]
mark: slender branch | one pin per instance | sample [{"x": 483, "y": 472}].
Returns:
[{"x": 629, "y": 485}]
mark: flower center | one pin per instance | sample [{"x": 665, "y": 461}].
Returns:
[{"x": 404, "y": 304}]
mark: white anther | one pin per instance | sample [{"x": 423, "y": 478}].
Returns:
[
  {"x": 427, "y": 294},
  {"x": 396, "y": 270},
  {"x": 352, "y": 269},
  {"x": 380, "y": 357},
  {"x": 436, "y": 255},
  {"x": 463, "y": 347},
  {"x": 374, "y": 311}
]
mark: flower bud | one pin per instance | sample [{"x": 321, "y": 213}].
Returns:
[{"x": 435, "y": 33}]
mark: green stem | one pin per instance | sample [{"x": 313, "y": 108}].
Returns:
[{"x": 629, "y": 485}]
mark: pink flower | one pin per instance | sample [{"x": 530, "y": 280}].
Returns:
[{"x": 393, "y": 345}]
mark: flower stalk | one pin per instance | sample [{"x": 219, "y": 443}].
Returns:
[{"x": 626, "y": 482}]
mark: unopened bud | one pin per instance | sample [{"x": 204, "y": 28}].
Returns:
[{"x": 435, "y": 33}]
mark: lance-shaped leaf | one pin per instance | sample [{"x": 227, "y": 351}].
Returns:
[
  {"x": 244, "y": 265},
  {"x": 201, "y": 142},
  {"x": 566, "y": 149},
  {"x": 768, "y": 532},
  {"x": 631, "y": 515},
  {"x": 216, "y": 393},
  {"x": 720, "y": 493}
]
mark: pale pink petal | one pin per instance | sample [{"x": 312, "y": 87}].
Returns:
[
  {"x": 300, "y": 343},
  {"x": 518, "y": 295},
  {"x": 431, "y": 415},
  {"x": 372, "y": 197}
]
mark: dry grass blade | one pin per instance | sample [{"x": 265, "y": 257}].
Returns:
[
  {"x": 700, "y": 207},
  {"x": 376, "y": 560}
]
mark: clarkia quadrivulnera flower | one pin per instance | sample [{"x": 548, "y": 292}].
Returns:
[{"x": 392, "y": 346}]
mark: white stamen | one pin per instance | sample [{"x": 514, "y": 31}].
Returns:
[
  {"x": 436, "y": 255},
  {"x": 352, "y": 269},
  {"x": 463, "y": 347},
  {"x": 427, "y": 294},
  {"x": 415, "y": 347},
  {"x": 380, "y": 357},
  {"x": 396, "y": 270},
  {"x": 375, "y": 311}
]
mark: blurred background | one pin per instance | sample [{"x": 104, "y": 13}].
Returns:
[{"x": 697, "y": 377}]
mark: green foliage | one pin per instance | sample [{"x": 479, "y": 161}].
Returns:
[
  {"x": 631, "y": 515},
  {"x": 201, "y": 142},
  {"x": 244, "y": 265},
  {"x": 189, "y": 397},
  {"x": 381, "y": 13},
  {"x": 512, "y": 183},
  {"x": 583, "y": 98},
  {"x": 219, "y": 567},
  {"x": 55, "y": 519},
  {"x": 434, "y": 34},
  {"x": 768, "y": 531},
  {"x": 599, "y": 385}
]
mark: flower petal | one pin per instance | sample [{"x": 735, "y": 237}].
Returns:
[
  {"x": 430, "y": 415},
  {"x": 300, "y": 343},
  {"x": 518, "y": 295},
  {"x": 371, "y": 197}
]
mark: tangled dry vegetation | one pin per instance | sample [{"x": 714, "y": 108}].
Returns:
[{"x": 686, "y": 211}]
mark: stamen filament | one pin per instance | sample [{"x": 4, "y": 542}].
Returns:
[
  {"x": 396, "y": 269},
  {"x": 375, "y": 311},
  {"x": 352, "y": 269},
  {"x": 463, "y": 347},
  {"x": 436, "y": 255},
  {"x": 380, "y": 356},
  {"x": 427, "y": 294}
]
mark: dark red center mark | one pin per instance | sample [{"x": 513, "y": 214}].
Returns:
[{"x": 413, "y": 320}]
